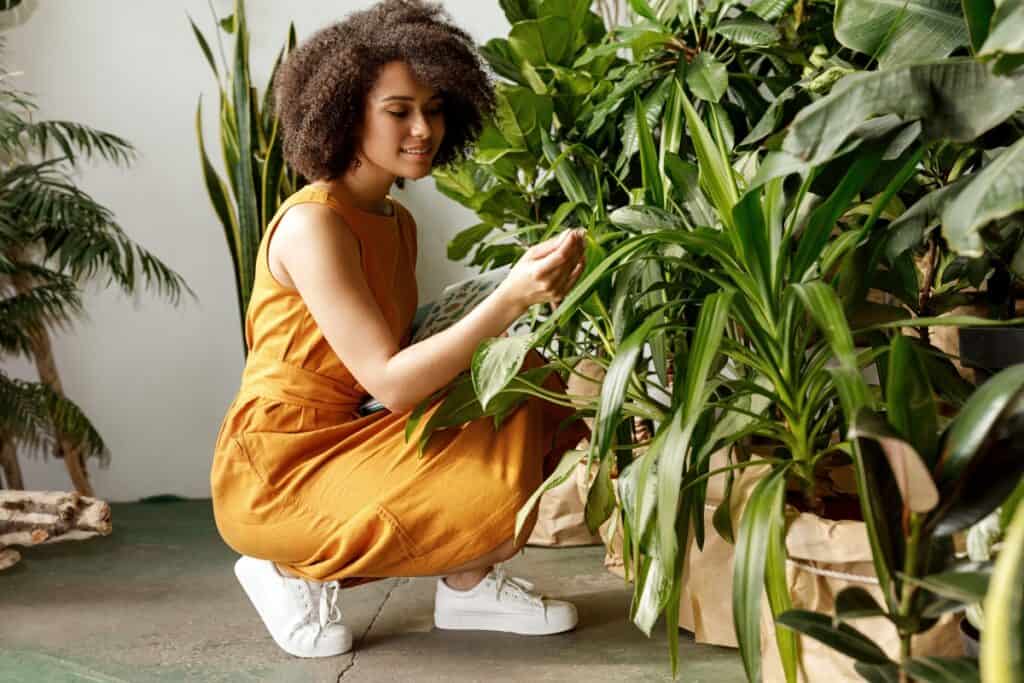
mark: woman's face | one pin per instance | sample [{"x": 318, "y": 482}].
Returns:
[{"x": 403, "y": 123}]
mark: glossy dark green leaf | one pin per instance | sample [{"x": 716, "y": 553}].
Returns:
[
  {"x": 654, "y": 190},
  {"x": 943, "y": 669},
  {"x": 856, "y": 603},
  {"x": 748, "y": 29},
  {"x": 842, "y": 638},
  {"x": 707, "y": 77},
  {"x": 911, "y": 406},
  {"x": 978, "y": 15},
  {"x": 975, "y": 421},
  {"x": 912, "y": 474},
  {"x": 824, "y": 217},
  {"x": 967, "y": 584},
  {"x": 936, "y": 94}
]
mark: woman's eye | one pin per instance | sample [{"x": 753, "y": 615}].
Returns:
[{"x": 397, "y": 114}]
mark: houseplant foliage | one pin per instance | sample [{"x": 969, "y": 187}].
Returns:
[
  {"x": 258, "y": 179},
  {"x": 53, "y": 238},
  {"x": 829, "y": 193},
  {"x": 946, "y": 482}
]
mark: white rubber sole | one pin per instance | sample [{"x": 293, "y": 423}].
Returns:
[{"x": 508, "y": 623}]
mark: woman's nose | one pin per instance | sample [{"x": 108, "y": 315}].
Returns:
[{"x": 421, "y": 126}]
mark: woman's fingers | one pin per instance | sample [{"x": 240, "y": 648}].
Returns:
[
  {"x": 539, "y": 251},
  {"x": 570, "y": 251}
]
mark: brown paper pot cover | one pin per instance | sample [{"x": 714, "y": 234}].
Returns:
[
  {"x": 560, "y": 521},
  {"x": 705, "y": 603},
  {"x": 824, "y": 558}
]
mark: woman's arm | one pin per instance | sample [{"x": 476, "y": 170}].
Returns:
[{"x": 321, "y": 257}]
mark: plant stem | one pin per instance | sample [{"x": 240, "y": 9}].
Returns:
[{"x": 910, "y": 567}]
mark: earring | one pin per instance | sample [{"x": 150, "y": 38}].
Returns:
[{"x": 356, "y": 163}]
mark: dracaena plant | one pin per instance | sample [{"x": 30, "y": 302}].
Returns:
[
  {"x": 251, "y": 148},
  {"x": 945, "y": 479}
]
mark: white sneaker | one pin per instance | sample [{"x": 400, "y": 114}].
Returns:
[
  {"x": 302, "y": 616},
  {"x": 502, "y": 603}
]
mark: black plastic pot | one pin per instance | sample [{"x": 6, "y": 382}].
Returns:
[
  {"x": 970, "y": 638},
  {"x": 992, "y": 348}
]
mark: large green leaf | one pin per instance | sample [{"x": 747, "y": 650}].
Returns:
[
  {"x": 1002, "y": 648},
  {"x": 615, "y": 384},
  {"x": 770, "y": 10},
  {"x": 654, "y": 189},
  {"x": 911, "y": 403},
  {"x": 842, "y": 637},
  {"x": 758, "y": 522},
  {"x": 707, "y": 77},
  {"x": 967, "y": 584},
  {"x": 908, "y": 467},
  {"x": 1005, "y": 40},
  {"x": 716, "y": 174},
  {"x": 978, "y": 15},
  {"x": 900, "y": 32},
  {"x": 994, "y": 192},
  {"x": 496, "y": 362},
  {"x": 702, "y": 353},
  {"x": 249, "y": 228},
  {"x": 957, "y": 99},
  {"x": 748, "y": 29},
  {"x": 824, "y": 217},
  {"x": 976, "y": 420},
  {"x": 855, "y": 602},
  {"x": 943, "y": 669},
  {"x": 542, "y": 41}
]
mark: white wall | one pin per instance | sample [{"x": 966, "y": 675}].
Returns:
[{"x": 155, "y": 379}]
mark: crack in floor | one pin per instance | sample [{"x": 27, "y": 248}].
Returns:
[{"x": 356, "y": 645}]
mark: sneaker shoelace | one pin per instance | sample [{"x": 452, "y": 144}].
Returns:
[
  {"x": 330, "y": 612},
  {"x": 520, "y": 590}
]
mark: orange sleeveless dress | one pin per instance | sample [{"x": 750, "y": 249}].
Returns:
[{"x": 300, "y": 478}]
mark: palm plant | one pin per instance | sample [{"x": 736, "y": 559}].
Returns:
[
  {"x": 251, "y": 145},
  {"x": 54, "y": 237}
]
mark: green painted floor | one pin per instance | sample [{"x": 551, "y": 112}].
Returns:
[{"x": 157, "y": 601}]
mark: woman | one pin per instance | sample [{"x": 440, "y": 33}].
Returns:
[{"x": 312, "y": 495}]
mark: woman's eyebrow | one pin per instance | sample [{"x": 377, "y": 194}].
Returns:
[{"x": 406, "y": 98}]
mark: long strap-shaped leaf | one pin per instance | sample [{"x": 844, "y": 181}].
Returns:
[
  {"x": 1002, "y": 648},
  {"x": 762, "y": 513},
  {"x": 706, "y": 346}
]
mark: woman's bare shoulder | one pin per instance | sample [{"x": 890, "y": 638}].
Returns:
[{"x": 308, "y": 233}]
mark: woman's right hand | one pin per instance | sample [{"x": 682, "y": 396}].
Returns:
[{"x": 547, "y": 271}]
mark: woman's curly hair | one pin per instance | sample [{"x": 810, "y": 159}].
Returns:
[{"x": 320, "y": 89}]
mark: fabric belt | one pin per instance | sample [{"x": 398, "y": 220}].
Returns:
[{"x": 288, "y": 383}]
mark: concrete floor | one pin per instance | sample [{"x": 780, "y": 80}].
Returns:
[{"x": 157, "y": 601}]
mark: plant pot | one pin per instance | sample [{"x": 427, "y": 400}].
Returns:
[
  {"x": 705, "y": 603},
  {"x": 970, "y": 638},
  {"x": 826, "y": 557},
  {"x": 992, "y": 348},
  {"x": 560, "y": 522}
]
